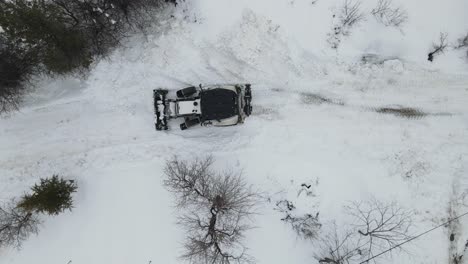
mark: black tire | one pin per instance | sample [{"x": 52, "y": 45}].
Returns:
[
  {"x": 248, "y": 90},
  {"x": 189, "y": 122},
  {"x": 186, "y": 92},
  {"x": 160, "y": 92},
  {"x": 248, "y": 100},
  {"x": 248, "y": 109}
]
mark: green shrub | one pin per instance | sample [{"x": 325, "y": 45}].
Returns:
[{"x": 52, "y": 196}]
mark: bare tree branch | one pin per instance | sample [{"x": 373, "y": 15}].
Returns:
[
  {"x": 377, "y": 226},
  {"x": 338, "y": 247},
  {"x": 389, "y": 15},
  {"x": 16, "y": 225},
  {"x": 218, "y": 209},
  {"x": 305, "y": 225},
  {"x": 384, "y": 225},
  {"x": 349, "y": 16},
  {"x": 438, "y": 47}
]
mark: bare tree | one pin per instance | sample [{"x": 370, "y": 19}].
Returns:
[
  {"x": 338, "y": 248},
  {"x": 305, "y": 225},
  {"x": 383, "y": 225},
  {"x": 389, "y": 15},
  {"x": 350, "y": 15},
  {"x": 218, "y": 207},
  {"x": 438, "y": 47},
  {"x": 16, "y": 225},
  {"x": 377, "y": 226}
]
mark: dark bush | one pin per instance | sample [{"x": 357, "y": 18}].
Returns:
[
  {"x": 52, "y": 196},
  {"x": 15, "y": 69},
  {"x": 11, "y": 78},
  {"x": 99, "y": 21},
  {"x": 65, "y": 34},
  {"x": 129, "y": 7},
  {"x": 61, "y": 36},
  {"x": 41, "y": 29},
  {"x": 104, "y": 22},
  {"x": 20, "y": 219}
]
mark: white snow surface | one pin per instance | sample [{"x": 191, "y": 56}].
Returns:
[{"x": 314, "y": 121}]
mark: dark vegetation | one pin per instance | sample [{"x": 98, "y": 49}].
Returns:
[
  {"x": 15, "y": 69},
  {"x": 62, "y": 36},
  {"x": 51, "y": 196},
  {"x": 19, "y": 219}
]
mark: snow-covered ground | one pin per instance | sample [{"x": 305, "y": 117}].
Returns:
[{"x": 314, "y": 121}]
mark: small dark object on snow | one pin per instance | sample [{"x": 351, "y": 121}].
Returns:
[{"x": 217, "y": 105}]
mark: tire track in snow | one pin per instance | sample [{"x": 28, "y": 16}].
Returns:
[{"x": 311, "y": 98}]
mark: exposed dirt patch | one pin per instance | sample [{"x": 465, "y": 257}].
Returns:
[{"x": 406, "y": 112}]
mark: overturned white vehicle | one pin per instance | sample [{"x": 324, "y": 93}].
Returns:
[{"x": 217, "y": 105}]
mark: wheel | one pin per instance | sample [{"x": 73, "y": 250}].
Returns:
[
  {"x": 248, "y": 109},
  {"x": 186, "y": 92},
  {"x": 248, "y": 100},
  {"x": 248, "y": 90},
  {"x": 159, "y": 92},
  {"x": 190, "y": 122}
]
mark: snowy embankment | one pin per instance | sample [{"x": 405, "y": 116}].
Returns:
[{"x": 317, "y": 119}]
